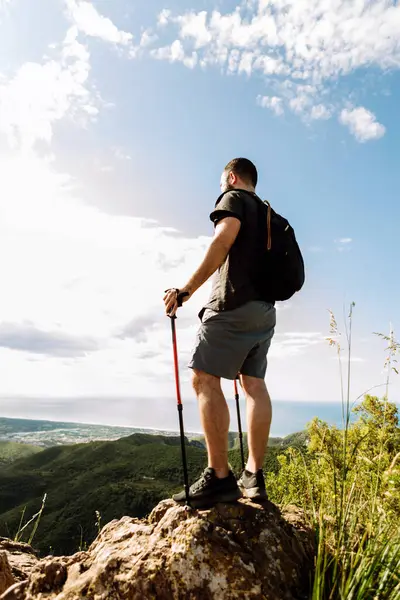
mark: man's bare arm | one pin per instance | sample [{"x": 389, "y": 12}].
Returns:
[{"x": 225, "y": 234}]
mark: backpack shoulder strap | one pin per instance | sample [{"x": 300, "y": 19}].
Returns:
[
  {"x": 266, "y": 204},
  {"x": 269, "y": 235}
]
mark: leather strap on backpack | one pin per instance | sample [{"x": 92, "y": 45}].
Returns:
[{"x": 269, "y": 214}]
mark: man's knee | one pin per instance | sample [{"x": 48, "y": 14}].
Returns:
[
  {"x": 253, "y": 386},
  {"x": 201, "y": 380}
]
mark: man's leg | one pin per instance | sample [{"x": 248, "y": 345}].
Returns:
[
  {"x": 259, "y": 416},
  {"x": 214, "y": 414}
]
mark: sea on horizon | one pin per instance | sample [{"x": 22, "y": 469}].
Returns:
[{"x": 154, "y": 413}]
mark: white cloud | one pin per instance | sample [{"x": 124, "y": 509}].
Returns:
[
  {"x": 147, "y": 38},
  {"x": 4, "y": 3},
  {"x": 246, "y": 63},
  {"x": 319, "y": 111},
  {"x": 176, "y": 53},
  {"x": 163, "y": 17},
  {"x": 362, "y": 124},
  {"x": 91, "y": 23},
  {"x": 193, "y": 25},
  {"x": 343, "y": 244},
  {"x": 294, "y": 343},
  {"x": 272, "y": 102},
  {"x": 353, "y": 359},
  {"x": 107, "y": 169},
  {"x": 300, "y": 103},
  {"x": 39, "y": 95},
  {"x": 310, "y": 335},
  {"x": 120, "y": 153},
  {"x": 306, "y": 42},
  {"x": 233, "y": 61}
]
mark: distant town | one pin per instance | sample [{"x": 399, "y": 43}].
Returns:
[{"x": 53, "y": 433}]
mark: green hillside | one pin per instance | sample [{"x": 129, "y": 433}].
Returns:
[
  {"x": 128, "y": 476},
  {"x": 12, "y": 451},
  {"x": 297, "y": 439}
]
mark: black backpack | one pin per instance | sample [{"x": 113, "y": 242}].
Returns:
[{"x": 281, "y": 269}]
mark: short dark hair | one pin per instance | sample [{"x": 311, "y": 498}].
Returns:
[{"x": 244, "y": 168}]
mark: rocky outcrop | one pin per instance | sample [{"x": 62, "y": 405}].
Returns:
[
  {"x": 16, "y": 562},
  {"x": 6, "y": 577},
  {"x": 233, "y": 551}
]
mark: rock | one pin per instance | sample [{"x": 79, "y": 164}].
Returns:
[
  {"x": 6, "y": 576},
  {"x": 231, "y": 552},
  {"x": 17, "y": 560}
]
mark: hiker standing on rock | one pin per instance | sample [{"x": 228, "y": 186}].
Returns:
[{"x": 237, "y": 326}]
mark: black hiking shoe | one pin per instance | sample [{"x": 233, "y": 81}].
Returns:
[
  {"x": 209, "y": 490},
  {"x": 253, "y": 485}
]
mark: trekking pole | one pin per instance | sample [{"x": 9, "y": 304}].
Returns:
[
  {"x": 239, "y": 422},
  {"x": 179, "y": 400}
]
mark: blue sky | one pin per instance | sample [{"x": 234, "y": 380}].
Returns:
[{"x": 115, "y": 123}]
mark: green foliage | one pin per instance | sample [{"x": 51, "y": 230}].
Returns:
[
  {"x": 352, "y": 498},
  {"x": 316, "y": 471},
  {"x": 128, "y": 476},
  {"x": 35, "y": 520}
]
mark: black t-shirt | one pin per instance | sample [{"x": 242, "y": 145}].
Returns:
[{"x": 234, "y": 283}]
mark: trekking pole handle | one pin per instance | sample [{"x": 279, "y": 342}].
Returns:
[{"x": 180, "y": 297}]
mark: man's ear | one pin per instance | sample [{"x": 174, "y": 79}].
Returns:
[{"x": 232, "y": 178}]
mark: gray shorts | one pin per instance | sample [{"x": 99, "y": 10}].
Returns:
[{"x": 233, "y": 341}]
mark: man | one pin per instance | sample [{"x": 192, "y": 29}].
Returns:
[{"x": 234, "y": 337}]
